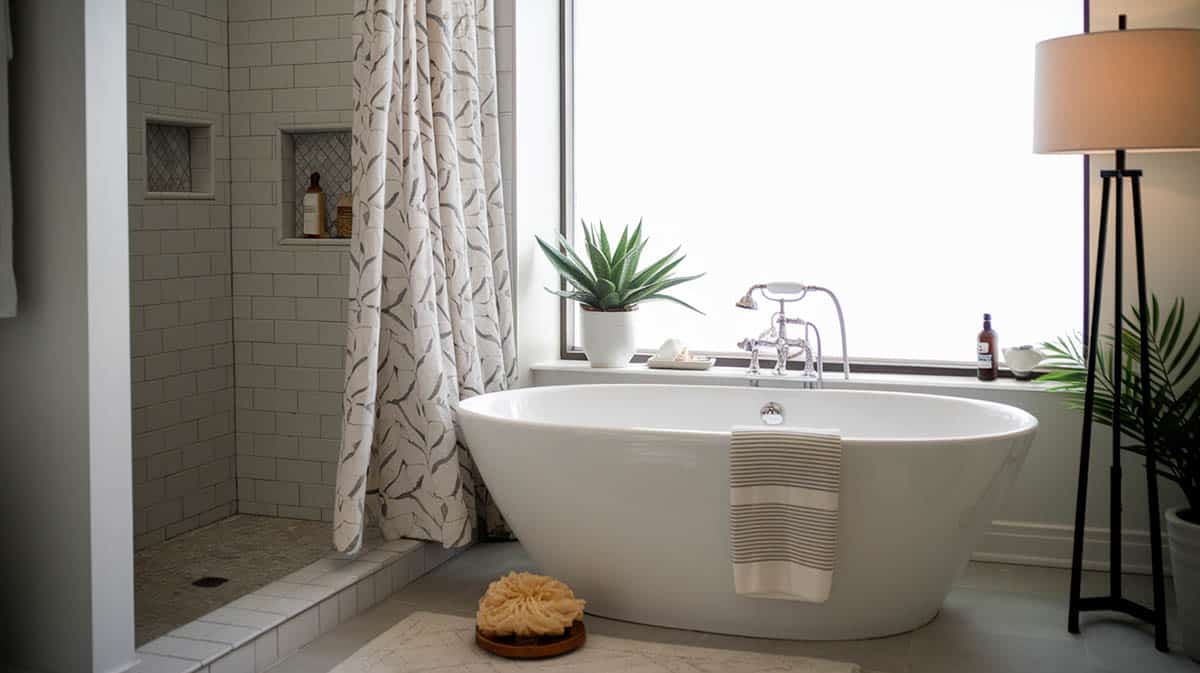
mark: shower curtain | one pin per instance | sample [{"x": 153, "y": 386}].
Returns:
[{"x": 430, "y": 316}]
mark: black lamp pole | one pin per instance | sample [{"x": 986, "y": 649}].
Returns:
[{"x": 1115, "y": 601}]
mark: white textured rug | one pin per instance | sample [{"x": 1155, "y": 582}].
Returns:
[{"x": 426, "y": 642}]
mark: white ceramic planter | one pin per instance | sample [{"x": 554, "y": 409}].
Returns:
[
  {"x": 1184, "y": 539},
  {"x": 608, "y": 337}
]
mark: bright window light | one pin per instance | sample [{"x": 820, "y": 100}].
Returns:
[{"x": 882, "y": 150}]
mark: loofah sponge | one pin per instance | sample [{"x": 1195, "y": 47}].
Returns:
[{"x": 527, "y": 605}]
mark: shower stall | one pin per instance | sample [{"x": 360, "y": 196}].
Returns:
[{"x": 237, "y": 324}]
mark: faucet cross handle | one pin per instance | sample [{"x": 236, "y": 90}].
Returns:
[
  {"x": 750, "y": 345},
  {"x": 783, "y": 352}
]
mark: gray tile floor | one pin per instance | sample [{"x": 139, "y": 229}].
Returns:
[
  {"x": 249, "y": 551},
  {"x": 999, "y": 618}
]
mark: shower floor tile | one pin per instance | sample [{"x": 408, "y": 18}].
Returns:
[{"x": 249, "y": 551}]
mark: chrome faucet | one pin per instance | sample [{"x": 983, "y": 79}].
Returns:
[{"x": 776, "y": 336}]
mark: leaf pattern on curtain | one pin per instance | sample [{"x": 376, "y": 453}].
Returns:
[{"x": 430, "y": 319}]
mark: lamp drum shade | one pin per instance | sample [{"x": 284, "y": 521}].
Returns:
[{"x": 1136, "y": 90}]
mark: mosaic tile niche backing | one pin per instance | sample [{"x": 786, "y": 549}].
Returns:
[
  {"x": 168, "y": 158},
  {"x": 327, "y": 153}
]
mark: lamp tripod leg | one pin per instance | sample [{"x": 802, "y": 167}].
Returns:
[
  {"x": 1088, "y": 413},
  {"x": 1148, "y": 426},
  {"x": 1118, "y": 379}
]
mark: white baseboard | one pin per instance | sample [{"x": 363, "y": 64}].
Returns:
[{"x": 1049, "y": 545}]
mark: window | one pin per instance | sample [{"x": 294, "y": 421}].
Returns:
[{"x": 882, "y": 150}]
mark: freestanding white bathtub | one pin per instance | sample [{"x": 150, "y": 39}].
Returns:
[{"x": 621, "y": 491}]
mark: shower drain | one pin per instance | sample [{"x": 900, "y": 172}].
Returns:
[{"x": 209, "y": 582}]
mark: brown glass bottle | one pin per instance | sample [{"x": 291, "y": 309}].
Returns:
[
  {"x": 988, "y": 362},
  {"x": 313, "y": 209}
]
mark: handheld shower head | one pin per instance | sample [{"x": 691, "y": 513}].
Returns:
[{"x": 747, "y": 300}]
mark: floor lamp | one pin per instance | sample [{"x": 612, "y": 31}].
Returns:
[{"x": 1118, "y": 91}]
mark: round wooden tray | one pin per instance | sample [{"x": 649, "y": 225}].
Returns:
[{"x": 511, "y": 647}]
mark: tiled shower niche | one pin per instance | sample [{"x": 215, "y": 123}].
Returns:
[
  {"x": 304, "y": 152},
  {"x": 179, "y": 159}
]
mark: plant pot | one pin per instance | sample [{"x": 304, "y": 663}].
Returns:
[
  {"x": 1184, "y": 538},
  {"x": 608, "y": 337}
]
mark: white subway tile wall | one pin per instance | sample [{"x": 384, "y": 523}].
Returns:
[
  {"x": 182, "y": 310},
  {"x": 238, "y": 338},
  {"x": 289, "y": 67},
  {"x": 278, "y": 308}
]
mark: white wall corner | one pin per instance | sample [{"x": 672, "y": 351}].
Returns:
[
  {"x": 536, "y": 179},
  {"x": 109, "y": 402}
]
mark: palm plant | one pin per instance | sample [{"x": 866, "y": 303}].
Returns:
[
  {"x": 1174, "y": 390},
  {"x": 610, "y": 280}
]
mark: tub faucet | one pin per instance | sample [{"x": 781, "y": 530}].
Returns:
[{"x": 776, "y": 336}]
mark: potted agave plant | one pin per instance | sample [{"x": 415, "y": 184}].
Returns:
[
  {"x": 609, "y": 286},
  {"x": 1175, "y": 404}
]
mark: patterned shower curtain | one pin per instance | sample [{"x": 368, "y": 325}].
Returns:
[{"x": 430, "y": 319}]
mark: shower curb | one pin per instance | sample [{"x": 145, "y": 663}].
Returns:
[{"x": 255, "y": 631}]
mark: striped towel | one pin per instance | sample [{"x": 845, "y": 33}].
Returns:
[{"x": 783, "y": 506}]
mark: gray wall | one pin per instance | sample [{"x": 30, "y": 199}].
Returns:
[
  {"x": 64, "y": 392},
  {"x": 1171, "y": 196},
  {"x": 181, "y": 316}
]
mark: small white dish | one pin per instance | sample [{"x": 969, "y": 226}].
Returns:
[
  {"x": 1022, "y": 359},
  {"x": 695, "y": 364}
]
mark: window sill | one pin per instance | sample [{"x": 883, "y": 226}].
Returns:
[
  {"x": 319, "y": 242},
  {"x": 563, "y": 372}
]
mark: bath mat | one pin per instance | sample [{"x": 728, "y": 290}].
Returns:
[{"x": 425, "y": 642}]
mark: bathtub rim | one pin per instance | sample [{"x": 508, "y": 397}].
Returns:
[{"x": 1029, "y": 422}]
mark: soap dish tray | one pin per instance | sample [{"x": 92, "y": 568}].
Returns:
[{"x": 694, "y": 364}]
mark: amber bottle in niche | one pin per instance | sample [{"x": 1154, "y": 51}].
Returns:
[
  {"x": 989, "y": 365},
  {"x": 313, "y": 208},
  {"x": 345, "y": 217}
]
